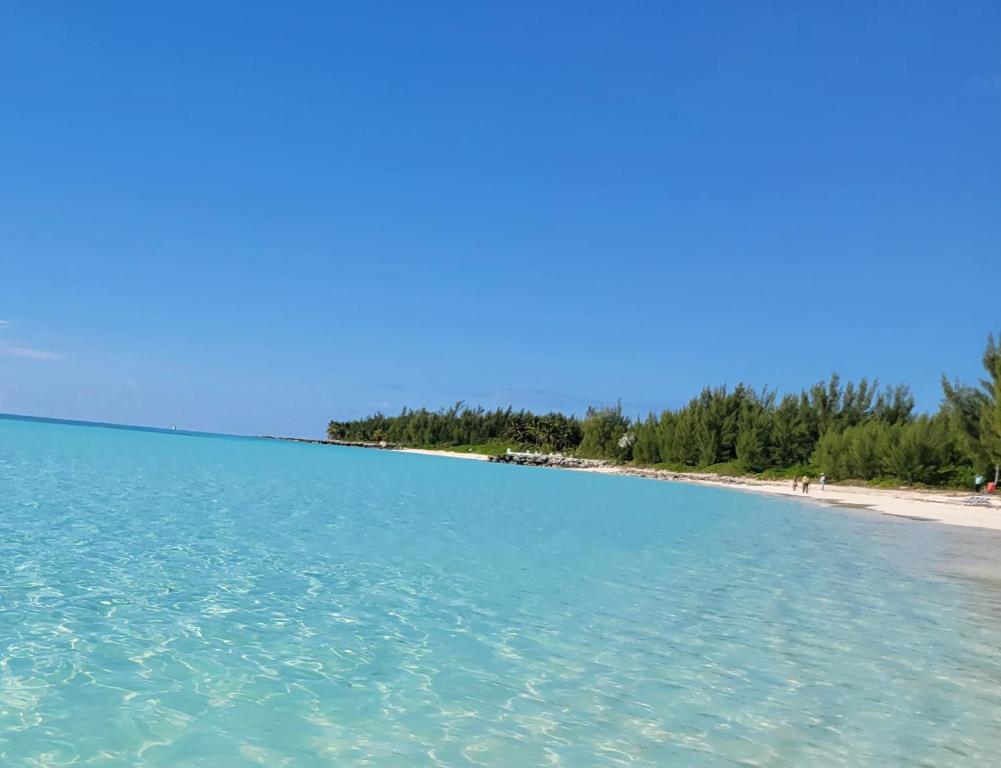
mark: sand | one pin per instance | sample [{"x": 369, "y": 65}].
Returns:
[
  {"x": 920, "y": 506},
  {"x": 916, "y": 505},
  {"x": 447, "y": 454}
]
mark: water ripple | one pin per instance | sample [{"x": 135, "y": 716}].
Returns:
[{"x": 174, "y": 600}]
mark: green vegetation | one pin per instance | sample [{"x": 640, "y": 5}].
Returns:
[
  {"x": 492, "y": 448},
  {"x": 850, "y": 430},
  {"x": 460, "y": 426}
]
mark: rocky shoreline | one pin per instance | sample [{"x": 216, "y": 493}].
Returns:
[
  {"x": 555, "y": 460},
  {"x": 342, "y": 443},
  {"x": 919, "y": 505},
  {"x": 559, "y": 461},
  {"x": 552, "y": 460}
]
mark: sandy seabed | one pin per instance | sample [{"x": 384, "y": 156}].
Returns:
[{"x": 939, "y": 506}]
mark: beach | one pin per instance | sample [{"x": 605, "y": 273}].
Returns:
[
  {"x": 938, "y": 505},
  {"x": 210, "y": 599}
]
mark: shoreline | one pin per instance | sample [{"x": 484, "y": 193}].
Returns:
[{"x": 939, "y": 506}]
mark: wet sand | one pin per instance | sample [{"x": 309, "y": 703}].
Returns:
[{"x": 918, "y": 506}]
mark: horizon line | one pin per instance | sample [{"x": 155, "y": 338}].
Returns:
[{"x": 117, "y": 425}]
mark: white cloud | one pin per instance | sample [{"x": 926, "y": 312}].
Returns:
[
  {"x": 18, "y": 349},
  {"x": 15, "y": 350}
]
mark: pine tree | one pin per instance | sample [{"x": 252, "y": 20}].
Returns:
[{"x": 975, "y": 413}]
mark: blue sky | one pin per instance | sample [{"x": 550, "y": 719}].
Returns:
[{"x": 253, "y": 217}]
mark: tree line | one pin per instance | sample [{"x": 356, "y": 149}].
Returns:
[
  {"x": 460, "y": 425},
  {"x": 849, "y": 430}
]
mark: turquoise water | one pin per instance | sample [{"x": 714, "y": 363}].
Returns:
[{"x": 178, "y": 600}]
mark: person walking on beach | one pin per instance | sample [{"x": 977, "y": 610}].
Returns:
[
  {"x": 795, "y": 484},
  {"x": 823, "y": 481},
  {"x": 806, "y": 484},
  {"x": 978, "y": 482}
]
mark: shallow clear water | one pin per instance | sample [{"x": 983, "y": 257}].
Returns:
[{"x": 177, "y": 600}]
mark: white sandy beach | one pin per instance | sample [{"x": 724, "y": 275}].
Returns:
[
  {"x": 919, "y": 505},
  {"x": 940, "y": 506},
  {"x": 450, "y": 454}
]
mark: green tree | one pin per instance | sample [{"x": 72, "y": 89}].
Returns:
[
  {"x": 602, "y": 434},
  {"x": 646, "y": 445},
  {"x": 975, "y": 413},
  {"x": 790, "y": 443},
  {"x": 753, "y": 449},
  {"x": 831, "y": 455},
  {"x": 866, "y": 444},
  {"x": 894, "y": 405},
  {"x": 847, "y": 429},
  {"x": 990, "y": 413},
  {"x": 914, "y": 450}
]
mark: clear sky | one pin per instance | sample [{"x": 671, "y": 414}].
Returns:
[{"x": 254, "y": 217}]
